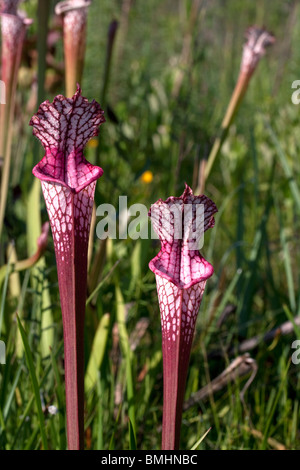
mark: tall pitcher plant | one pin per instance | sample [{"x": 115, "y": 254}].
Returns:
[{"x": 68, "y": 183}]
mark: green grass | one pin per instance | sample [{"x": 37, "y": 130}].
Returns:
[{"x": 254, "y": 246}]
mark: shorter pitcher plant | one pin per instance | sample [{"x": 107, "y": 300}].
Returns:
[{"x": 181, "y": 274}]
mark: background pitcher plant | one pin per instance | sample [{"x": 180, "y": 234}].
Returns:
[
  {"x": 74, "y": 17},
  {"x": 13, "y": 31},
  {"x": 181, "y": 274}
]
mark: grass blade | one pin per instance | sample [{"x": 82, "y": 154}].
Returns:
[
  {"x": 4, "y": 291},
  {"x": 34, "y": 382},
  {"x": 132, "y": 438},
  {"x": 60, "y": 396},
  {"x": 286, "y": 259},
  {"x": 11, "y": 394}
]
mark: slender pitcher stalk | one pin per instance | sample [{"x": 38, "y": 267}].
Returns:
[{"x": 68, "y": 184}]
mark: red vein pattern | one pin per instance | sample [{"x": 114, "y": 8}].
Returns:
[
  {"x": 179, "y": 309},
  {"x": 181, "y": 275},
  {"x": 74, "y": 13},
  {"x": 69, "y": 213},
  {"x": 64, "y": 127},
  {"x": 68, "y": 185},
  {"x": 255, "y": 47}
]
